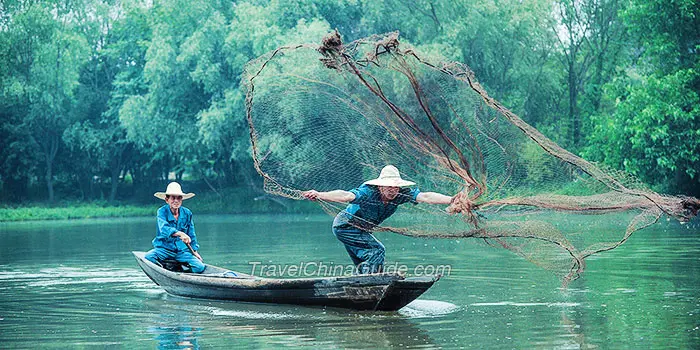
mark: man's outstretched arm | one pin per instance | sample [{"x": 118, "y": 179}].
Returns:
[
  {"x": 433, "y": 198},
  {"x": 331, "y": 196}
]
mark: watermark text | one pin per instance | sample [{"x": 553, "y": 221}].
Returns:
[{"x": 310, "y": 269}]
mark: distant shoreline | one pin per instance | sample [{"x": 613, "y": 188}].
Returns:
[
  {"x": 81, "y": 210},
  {"x": 78, "y": 211}
]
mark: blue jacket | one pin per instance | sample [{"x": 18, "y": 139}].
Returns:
[
  {"x": 367, "y": 209},
  {"x": 166, "y": 226}
]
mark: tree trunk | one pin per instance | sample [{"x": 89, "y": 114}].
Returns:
[
  {"x": 573, "y": 115},
  {"x": 49, "y": 179},
  {"x": 598, "y": 82},
  {"x": 114, "y": 178},
  {"x": 50, "y": 150},
  {"x": 116, "y": 166},
  {"x": 83, "y": 181}
]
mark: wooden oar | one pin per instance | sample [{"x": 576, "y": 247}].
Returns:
[{"x": 193, "y": 252}]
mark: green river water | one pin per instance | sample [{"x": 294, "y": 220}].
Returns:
[{"x": 75, "y": 284}]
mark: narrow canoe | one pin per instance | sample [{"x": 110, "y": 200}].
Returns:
[{"x": 385, "y": 292}]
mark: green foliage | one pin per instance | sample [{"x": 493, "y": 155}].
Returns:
[
  {"x": 654, "y": 132},
  {"x": 668, "y": 32},
  {"x": 96, "y": 91},
  {"x": 648, "y": 124}
]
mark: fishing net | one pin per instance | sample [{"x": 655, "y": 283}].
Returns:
[{"x": 331, "y": 117}]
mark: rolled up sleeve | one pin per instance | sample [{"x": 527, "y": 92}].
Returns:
[
  {"x": 165, "y": 229},
  {"x": 361, "y": 193},
  {"x": 414, "y": 195}
]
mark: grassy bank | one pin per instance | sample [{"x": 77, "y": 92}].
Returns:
[
  {"x": 231, "y": 201},
  {"x": 74, "y": 211}
]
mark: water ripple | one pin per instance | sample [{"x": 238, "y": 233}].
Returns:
[
  {"x": 255, "y": 315},
  {"x": 428, "y": 308},
  {"x": 510, "y": 303}
]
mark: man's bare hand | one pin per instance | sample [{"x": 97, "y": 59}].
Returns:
[
  {"x": 460, "y": 204},
  {"x": 310, "y": 195},
  {"x": 184, "y": 237}
]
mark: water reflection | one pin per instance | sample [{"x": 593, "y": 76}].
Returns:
[
  {"x": 174, "y": 331},
  {"x": 364, "y": 330},
  {"x": 183, "y": 322},
  {"x": 346, "y": 330},
  {"x": 575, "y": 331}
]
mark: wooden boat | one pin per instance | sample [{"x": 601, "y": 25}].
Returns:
[{"x": 386, "y": 291}]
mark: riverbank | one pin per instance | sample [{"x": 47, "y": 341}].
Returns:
[
  {"x": 229, "y": 202},
  {"x": 73, "y": 211}
]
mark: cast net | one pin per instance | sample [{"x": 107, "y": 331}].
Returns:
[{"x": 331, "y": 117}]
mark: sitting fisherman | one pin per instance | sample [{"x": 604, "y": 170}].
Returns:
[
  {"x": 370, "y": 204},
  {"x": 175, "y": 236}
]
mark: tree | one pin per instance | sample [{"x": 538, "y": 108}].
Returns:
[
  {"x": 161, "y": 122},
  {"x": 48, "y": 56},
  {"x": 654, "y": 132},
  {"x": 589, "y": 34},
  {"x": 650, "y": 117}
]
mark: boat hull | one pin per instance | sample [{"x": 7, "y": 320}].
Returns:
[{"x": 385, "y": 292}]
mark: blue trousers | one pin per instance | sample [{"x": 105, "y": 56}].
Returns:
[
  {"x": 182, "y": 255},
  {"x": 366, "y": 252}
]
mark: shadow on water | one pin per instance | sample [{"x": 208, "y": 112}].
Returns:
[
  {"x": 185, "y": 323},
  {"x": 174, "y": 331}
]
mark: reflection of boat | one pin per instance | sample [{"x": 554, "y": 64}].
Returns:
[{"x": 385, "y": 292}]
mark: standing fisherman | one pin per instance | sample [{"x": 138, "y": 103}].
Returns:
[{"x": 370, "y": 204}]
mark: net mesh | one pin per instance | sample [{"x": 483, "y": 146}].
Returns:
[{"x": 331, "y": 117}]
